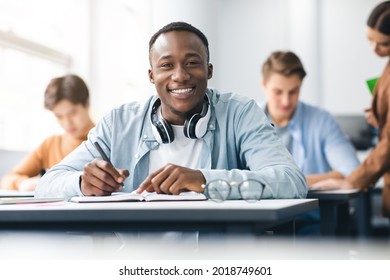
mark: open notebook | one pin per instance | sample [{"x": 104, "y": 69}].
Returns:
[{"x": 145, "y": 196}]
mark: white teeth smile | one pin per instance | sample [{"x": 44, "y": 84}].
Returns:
[{"x": 181, "y": 91}]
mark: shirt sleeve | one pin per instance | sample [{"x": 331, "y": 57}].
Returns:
[
  {"x": 339, "y": 151},
  {"x": 262, "y": 156},
  {"x": 377, "y": 162},
  {"x": 63, "y": 179}
]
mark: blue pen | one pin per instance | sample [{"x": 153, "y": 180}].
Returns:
[{"x": 104, "y": 156}]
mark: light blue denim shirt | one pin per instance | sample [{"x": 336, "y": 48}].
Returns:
[
  {"x": 318, "y": 143},
  {"x": 240, "y": 144}
]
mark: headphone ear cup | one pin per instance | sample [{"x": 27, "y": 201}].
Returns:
[
  {"x": 161, "y": 129},
  {"x": 190, "y": 127},
  {"x": 165, "y": 131},
  {"x": 196, "y": 126}
]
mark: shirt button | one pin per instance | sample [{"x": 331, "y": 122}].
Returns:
[
  {"x": 145, "y": 136},
  {"x": 156, "y": 144},
  {"x": 211, "y": 126},
  {"x": 136, "y": 155}
]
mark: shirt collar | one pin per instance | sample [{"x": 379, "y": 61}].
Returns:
[{"x": 294, "y": 121}]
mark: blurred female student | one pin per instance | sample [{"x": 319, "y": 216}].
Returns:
[
  {"x": 377, "y": 164},
  {"x": 68, "y": 98}
]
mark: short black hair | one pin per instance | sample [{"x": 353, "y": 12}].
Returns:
[
  {"x": 379, "y": 18},
  {"x": 180, "y": 26}
]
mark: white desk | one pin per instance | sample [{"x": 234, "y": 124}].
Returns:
[{"x": 228, "y": 216}]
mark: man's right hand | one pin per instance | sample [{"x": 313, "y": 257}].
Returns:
[{"x": 101, "y": 178}]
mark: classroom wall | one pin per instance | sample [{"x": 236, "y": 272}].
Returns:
[
  {"x": 328, "y": 35},
  {"x": 119, "y": 53},
  {"x": 347, "y": 60}
]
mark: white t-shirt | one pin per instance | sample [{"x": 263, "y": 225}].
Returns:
[{"x": 182, "y": 151}]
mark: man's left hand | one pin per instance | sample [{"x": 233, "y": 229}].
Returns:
[{"x": 173, "y": 179}]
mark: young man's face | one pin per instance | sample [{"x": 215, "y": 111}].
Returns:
[
  {"x": 282, "y": 94},
  {"x": 379, "y": 42},
  {"x": 73, "y": 118},
  {"x": 180, "y": 71}
]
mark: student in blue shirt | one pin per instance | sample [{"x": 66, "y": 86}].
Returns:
[
  {"x": 184, "y": 137},
  {"x": 311, "y": 134}
]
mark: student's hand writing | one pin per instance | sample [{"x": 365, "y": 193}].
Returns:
[
  {"x": 173, "y": 179},
  {"x": 28, "y": 184},
  {"x": 332, "y": 184},
  {"x": 101, "y": 178}
]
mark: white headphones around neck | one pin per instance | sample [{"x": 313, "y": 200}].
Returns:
[{"x": 195, "y": 127}]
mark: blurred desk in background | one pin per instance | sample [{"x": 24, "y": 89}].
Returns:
[
  {"x": 334, "y": 210},
  {"x": 9, "y": 193}
]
